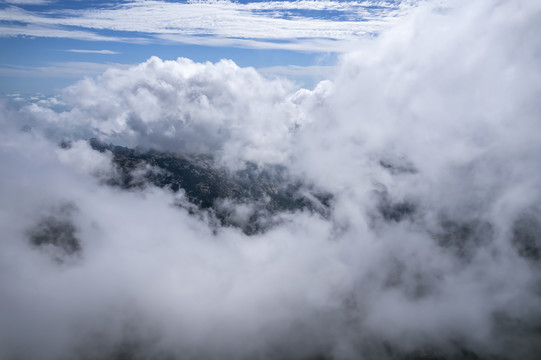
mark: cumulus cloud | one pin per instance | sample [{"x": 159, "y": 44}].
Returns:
[
  {"x": 427, "y": 140},
  {"x": 186, "y": 107}
]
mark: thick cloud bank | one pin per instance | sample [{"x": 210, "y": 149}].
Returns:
[
  {"x": 185, "y": 107},
  {"x": 428, "y": 141}
]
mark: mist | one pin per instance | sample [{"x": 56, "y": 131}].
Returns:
[{"x": 425, "y": 245}]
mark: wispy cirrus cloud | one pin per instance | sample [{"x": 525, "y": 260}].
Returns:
[
  {"x": 32, "y": 30},
  {"x": 29, "y": 2},
  {"x": 84, "y": 51},
  {"x": 303, "y": 25},
  {"x": 66, "y": 69}
]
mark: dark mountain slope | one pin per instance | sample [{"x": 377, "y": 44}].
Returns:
[{"x": 267, "y": 190}]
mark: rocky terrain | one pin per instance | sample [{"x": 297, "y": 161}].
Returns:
[{"x": 266, "y": 190}]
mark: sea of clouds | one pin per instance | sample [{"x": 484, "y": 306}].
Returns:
[{"x": 428, "y": 139}]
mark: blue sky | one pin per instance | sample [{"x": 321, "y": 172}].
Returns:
[{"x": 49, "y": 44}]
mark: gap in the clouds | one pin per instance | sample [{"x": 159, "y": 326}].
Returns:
[
  {"x": 251, "y": 198},
  {"x": 291, "y": 14},
  {"x": 334, "y": 15}
]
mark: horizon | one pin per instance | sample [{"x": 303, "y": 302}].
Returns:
[{"x": 50, "y": 44}]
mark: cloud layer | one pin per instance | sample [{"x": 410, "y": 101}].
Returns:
[
  {"x": 269, "y": 25},
  {"x": 427, "y": 140}
]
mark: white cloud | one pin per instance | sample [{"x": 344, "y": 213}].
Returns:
[
  {"x": 29, "y": 2},
  {"x": 53, "y": 32},
  {"x": 226, "y": 23},
  {"x": 188, "y": 107},
  {"x": 428, "y": 140},
  {"x": 69, "y": 69},
  {"x": 299, "y": 73},
  {"x": 83, "y": 51},
  {"x": 309, "y": 45},
  {"x": 84, "y": 160}
]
